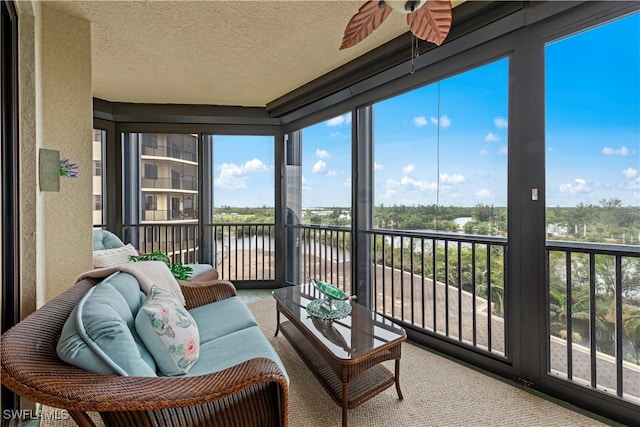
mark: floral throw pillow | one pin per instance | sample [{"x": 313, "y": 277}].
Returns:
[{"x": 169, "y": 332}]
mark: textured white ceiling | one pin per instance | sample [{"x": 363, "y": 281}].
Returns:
[{"x": 245, "y": 53}]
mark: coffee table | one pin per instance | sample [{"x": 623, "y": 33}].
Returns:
[{"x": 345, "y": 354}]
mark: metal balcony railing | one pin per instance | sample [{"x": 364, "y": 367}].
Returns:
[
  {"x": 325, "y": 254},
  {"x": 454, "y": 286},
  {"x": 178, "y": 241},
  {"x": 593, "y": 296},
  {"x": 244, "y": 251},
  {"x": 169, "y": 184},
  {"x": 167, "y": 215},
  {"x": 449, "y": 284},
  {"x": 163, "y": 150}
]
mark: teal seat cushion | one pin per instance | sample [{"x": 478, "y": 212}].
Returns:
[
  {"x": 99, "y": 336},
  {"x": 198, "y": 268},
  {"x": 235, "y": 348},
  {"x": 221, "y": 318}
]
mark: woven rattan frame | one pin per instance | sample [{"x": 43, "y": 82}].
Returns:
[{"x": 253, "y": 393}]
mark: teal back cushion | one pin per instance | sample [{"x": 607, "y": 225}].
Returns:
[
  {"x": 103, "y": 239},
  {"x": 100, "y": 335},
  {"x": 129, "y": 288}
]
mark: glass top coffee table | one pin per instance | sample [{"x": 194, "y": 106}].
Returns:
[{"x": 344, "y": 354}]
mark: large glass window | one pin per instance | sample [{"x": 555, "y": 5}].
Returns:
[
  {"x": 319, "y": 183},
  {"x": 440, "y": 183},
  {"x": 161, "y": 193},
  {"x": 326, "y": 172},
  {"x": 593, "y": 206},
  {"x": 441, "y": 155},
  {"x": 243, "y": 215},
  {"x": 243, "y": 174}
]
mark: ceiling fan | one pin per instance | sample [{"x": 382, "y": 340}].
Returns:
[{"x": 427, "y": 19}]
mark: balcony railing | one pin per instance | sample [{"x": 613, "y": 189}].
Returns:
[
  {"x": 169, "y": 183},
  {"x": 449, "y": 284},
  {"x": 325, "y": 254},
  {"x": 178, "y": 241},
  {"x": 162, "y": 150},
  {"x": 166, "y": 215},
  {"x": 594, "y": 316},
  {"x": 244, "y": 251},
  {"x": 454, "y": 286}
]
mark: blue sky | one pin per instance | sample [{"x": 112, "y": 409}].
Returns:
[
  {"x": 592, "y": 136},
  {"x": 593, "y": 116}
]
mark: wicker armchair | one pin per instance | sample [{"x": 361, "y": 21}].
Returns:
[{"x": 253, "y": 393}]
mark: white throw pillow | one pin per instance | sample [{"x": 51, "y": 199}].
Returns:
[
  {"x": 113, "y": 257},
  {"x": 169, "y": 332}
]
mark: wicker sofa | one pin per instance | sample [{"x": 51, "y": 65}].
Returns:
[{"x": 251, "y": 393}]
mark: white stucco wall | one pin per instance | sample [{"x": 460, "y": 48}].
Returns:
[{"x": 64, "y": 122}]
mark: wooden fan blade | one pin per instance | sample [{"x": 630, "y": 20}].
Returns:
[
  {"x": 363, "y": 23},
  {"x": 432, "y": 21}
]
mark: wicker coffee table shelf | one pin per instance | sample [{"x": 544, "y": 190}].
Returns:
[{"x": 345, "y": 355}]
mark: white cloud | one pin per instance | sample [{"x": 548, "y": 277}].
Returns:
[
  {"x": 420, "y": 121},
  {"x": 622, "y": 151},
  {"x": 483, "y": 152},
  {"x": 408, "y": 169},
  {"x": 483, "y": 194},
  {"x": 444, "y": 121},
  {"x": 340, "y": 120},
  {"x": 632, "y": 185},
  {"x": 254, "y": 165},
  {"x": 410, "y": 183},
  {"x": 336, "y": 121},
  {"x": 630, "y": 172},
  {"x": 336, "y": 134},
  {"x": 491, "y": 137},
  {"x": 451, "y": 179},
  {"x": 578, "y": 186},
  {"x": 405, "y": 189},
  {"x": 322, "y": 154},
  {"x": 500, "y": 122},
  {"x": 319, "y": 167},
  {"x": 305, "y": 184},
  {"x": 234, "y": 176},
  {"x": 388, "y": 194},
  {"x": 378, "y": 166},
  {"x": 504, "y": 149}
]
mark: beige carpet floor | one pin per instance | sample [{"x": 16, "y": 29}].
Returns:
[{"x": 437, "y": 392}]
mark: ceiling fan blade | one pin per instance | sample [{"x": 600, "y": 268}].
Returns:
[
  {"x": 363, "y": 23},
  {"x": 431, "y": 22}
]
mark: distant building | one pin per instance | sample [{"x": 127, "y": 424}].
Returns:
[
  {"x": 462, "y": 221},
  {"x": 557, "y": 230},
  {"x": 169, "y": 177},
  {"x": 169, "y": 193}
]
